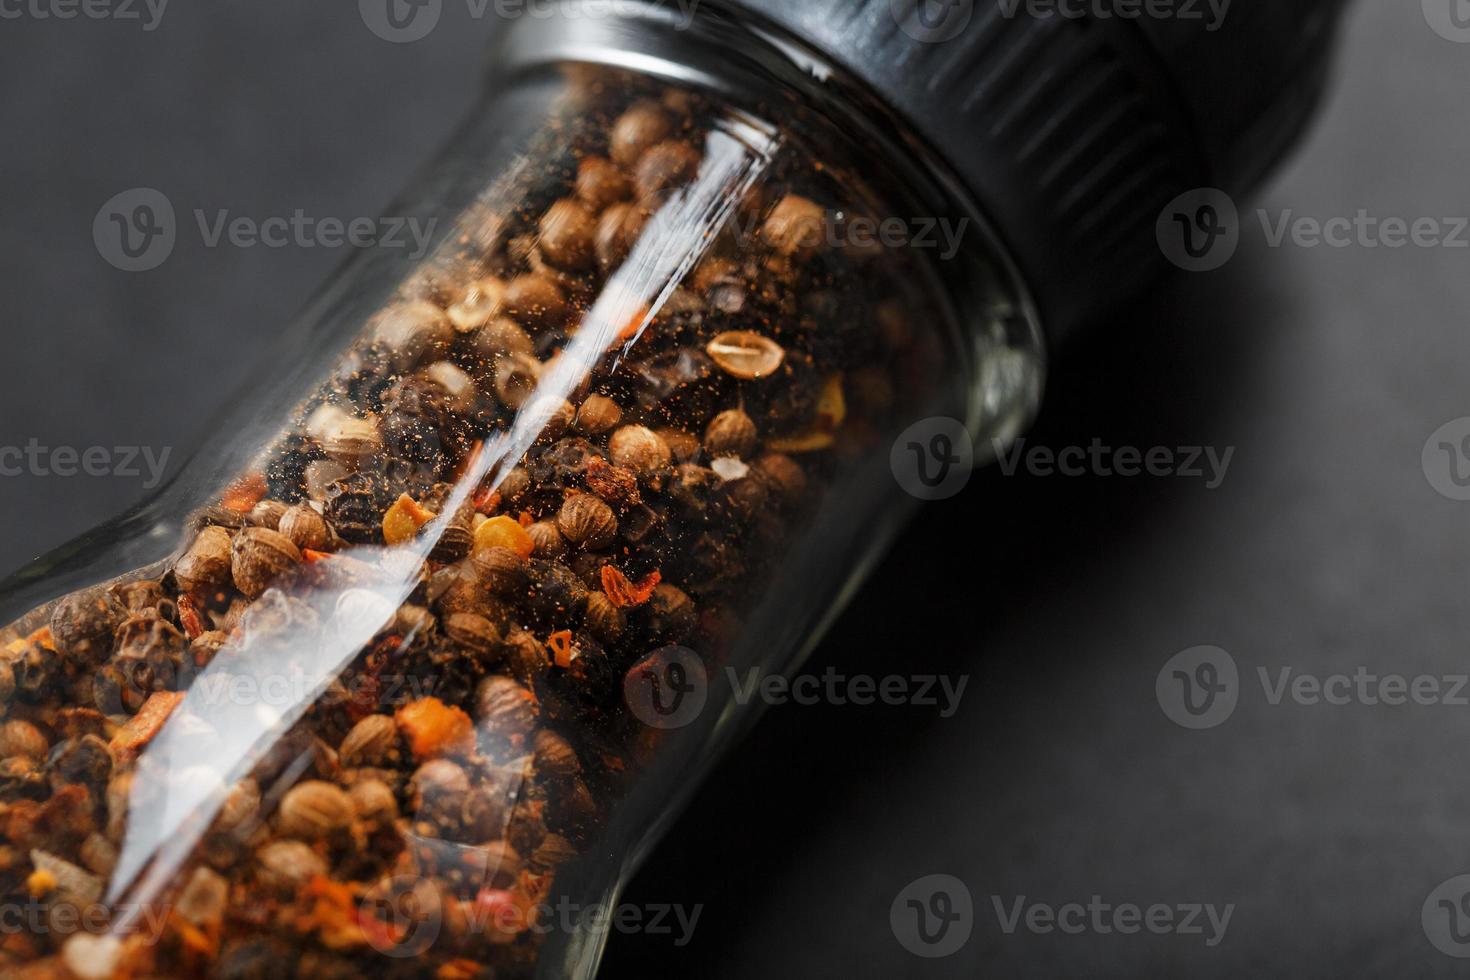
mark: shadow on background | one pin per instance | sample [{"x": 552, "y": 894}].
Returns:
[{"x": 1163, "y": 372}]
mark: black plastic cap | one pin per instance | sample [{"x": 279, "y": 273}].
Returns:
[{"x": 1074, "y": 130}]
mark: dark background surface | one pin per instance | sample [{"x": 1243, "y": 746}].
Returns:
[{"x": 1059, "y": 778}]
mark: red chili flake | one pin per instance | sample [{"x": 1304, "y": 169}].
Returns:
[
  {"x": 148, "y": 722},
  {"x": 242, "y": 495},
  {"x": 526, "y": 519},
  {"x": 312, "y": 557},
  {"x": 190, "y": 616},
  {"x": 560, "y": 644},
  {"x": 487, "y": 501},
  {"x": 625, "y": 594},
  {"x": 612, "y": 483}
]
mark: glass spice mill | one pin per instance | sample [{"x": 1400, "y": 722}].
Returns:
[{"x": 396, "y": 671}]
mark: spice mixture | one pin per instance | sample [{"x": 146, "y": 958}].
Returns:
[{"x": 530, "y": 479}]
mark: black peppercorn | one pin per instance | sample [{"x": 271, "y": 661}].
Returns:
[{"x": 82, "y": 625}]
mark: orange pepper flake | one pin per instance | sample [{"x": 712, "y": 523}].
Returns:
[
  {"x": 312, "y": 557},
  {"x": 487, "y": 501},
  {"x": 333, "y": 915},
  {"x": 526, "y": 519},
  {"x": 625, "y": 594},
  {"x": 242, "y": 495},
  {"x": 504, "y": 532},
  {"x": 40, "y": 883},
  {"x": 190, "y": 617},
  {"x": 631, "y": 326},
  {"x": 458, "y": 970},
  {"x": 560, "y": 644},
  {"x": 404, "y": 520},
  {"x": 434, "y": 728},
  {"x": 148, "y": 722}
]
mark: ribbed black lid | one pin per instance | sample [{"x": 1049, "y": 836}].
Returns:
[{"x": 1075, "y": 130}]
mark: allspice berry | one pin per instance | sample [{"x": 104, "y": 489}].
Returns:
[
  {"x": 535, "y": 301},
  {"x": 526, "y": 659},
  {"x": 731, "y": 433},
  {"x": 684, "y": 446},
  {"x": 206, "y": 565},
  {"x": 496, "y": 339},
  {"x": 639, "y": 449},
  {"x": 438, "y": 786},
  {"x": 472, "y": 632},
  {"x": 22, "y": 738},
  {"x": 313, "y": 810},
  {"x": 598, "y": 414},
  {"x": 568, "y": 231},
  {"x": 637, "y": 130},
  {"x": 516, "y": 377},
  {"x": 501, "y": 571},
  {"x": 267, "y": 513},
  {"x": 373, "y": 741},
  {"x": 286, "y": 865},
  {"x": 547, "y": 540},
  {"x": 795, "y": 227},
  {"x": 587, "y": 522},
  {"x": 600, "y": 183},
  {"x": 665, "y": 167},
  {"x": 669, "y": 614},
  {"x": 554, "y": 756},
  {"x": 305, "y": 528},
  {"x": 374, "y": 802},
  {"x": 617, "y": 233},
  {"x": 604, "y": 620},
  {"x": 785, "y": 476},
  {"x": 408, "y": 332},
  {"x": 259, "y": 556},
  {"x": 504, "y": 708},
  {"x": 482, "y": 302}
]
